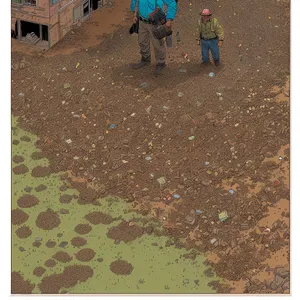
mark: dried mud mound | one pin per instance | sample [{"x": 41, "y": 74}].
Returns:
[
  {"x": 121, "y": 267},
  {"x": 23, "y": 232},
  {"x": 70, "y": 277},
  {"x": 62, "y": 257},
  {"x": 124, "y": 232},
  {"x": 18, "y": 217},
  {"x": 78, "y": 241},
  {"x": 98, "y": 217},
  {"x": 50, "y": 244},
  {"x": 21, "y": 169},
  {"x": 17, "y": 159},
  {"x": 27, "y": 201},
  {"x": 40, "y": 188},
  {"x": 40, "y": 171},
  {"x": 47, "y": 220},
  {"x": 37, "y": 155},
  {"x": 39, "y": 271},
  {"x": 65, "y": 199},
  {"x": 83, "y": 228},
  {"x": 19, "y": 285},
  {"x": 85, "y": 254},
  {"x": 50, "y": 263}
]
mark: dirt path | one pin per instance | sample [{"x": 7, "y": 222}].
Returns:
[{"x": 209, "y": 140}]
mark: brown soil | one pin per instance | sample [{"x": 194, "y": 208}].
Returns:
[
  {"x": 70, "y": 277},
  {"x": 27, "y": 201},
  {"x": 23, "y": 232},
  {"x": 98, "y": 217},
  {"x": 37, "y": 155},
  {"x": 85, "y": 254},
  {"x": 40, "y": 188},
  {"x": 65, "y": 199},
  {"x": 78, "y": 241},
  {"x": 18, "y": 217},
  {"x": 62, "y": 256},
  {"x": 121, "y": 267},
  {"x": 47, "y": 220},
  {"x": 19, "y": 285},
  {"x": 50, "y": 244},
  {"x": 18, "y": 159},
  {"x": 124, "y": 232},
  {"x": 39, "y": 271},
  {"x": 40, "y": 171},
  {"x": 50, "y": 263},
  {"x": 25, "y": 139},
  {"x": 87, "y": 196},
  {"x": 21, "y": 169},
  {"x": 36, "y": 244},
  {"x": 16, "y": 142},
  {"x": 83, "y": 228}
]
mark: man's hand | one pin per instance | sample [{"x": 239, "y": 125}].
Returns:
[
  {"x": 134, "y": 20},
  {"x": 220, "y": 43},
  {"x": 169, "y": 23}
]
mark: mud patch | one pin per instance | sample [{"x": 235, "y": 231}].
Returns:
[
  {"x": 37, "y": 155},
  {"x": 21, "y": 169},
  {"x": 85, "y": 254},
  {"x": 39, "y": 271},
  {"x": 65, "y": 199},
  {"x": 16, "y": 142},
  {"x": 62, "y": 256},
  {"x": 70, "y": 277},
  {"x": 25, "y": 139},
  {"x": 19, "y": 285},
  {"x": 18, "y": 159},
  {"x": 40, "y": 171},
  {"x": 18, "y": 217},
  {"x": 50, "y": 263},
  {"x": 47, "y": 220},
  {"x": 124, "y": 232},
  {"x": 83, "y": 228},
  {"x": 78, "y": 241},
  {"x": 40, "y": 188},
  {"x": 50, "y": 244},
  {"x": 98, "y": 217},
  {"x": 23, "y": 232},
  {"x": 87, "y": 196},
  {"x": 27, "y": 201},
  {"x": 121, "y": 267}
]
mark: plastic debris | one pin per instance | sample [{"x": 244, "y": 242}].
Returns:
[
  {"x": 176, "y": 196},
  {"x": 165, "y": 108},
  {"x": 21, "y": 95},
  {"x": 223, "y": 216},
  {"x": 67, "y": 85},
  {"x": 161, "y": 180},
  {"x": 180, "y": 94},
  {"x": 82, "y": 89},
  {"x": 211, "y": 74},
  {"x": 148, "y": 157},
  {"x": 131, "y": 224},
  {"x": 144, "y": 84},
  {"x": 168, "y": 198},
  {"x": 191, "y": 138},
  {"x": 112, "y": 126},
  {"x": 69, "y": 141},
  {"x": 148, "y": 109},
  {"x": 77, "y": 65},
  {"x": 206, "y": 163},
  {"x": 83, "y": 116},
  {"x": 182, "y": 70},
  {"x": 280, "y": 158},
  {"x": 231, "y": 191},
  {"x": 212, "y": 241},
  {"x": 198, "y": 212}
]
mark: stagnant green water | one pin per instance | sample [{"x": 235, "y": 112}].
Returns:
[{"x": 156, "y": 269}]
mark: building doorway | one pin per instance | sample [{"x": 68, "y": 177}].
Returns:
[
  {"x": 27, "y": 27},
  {"x": 45, "y": 33}
]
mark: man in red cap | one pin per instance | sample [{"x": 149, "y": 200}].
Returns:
[{"x": 211, "y": 34}]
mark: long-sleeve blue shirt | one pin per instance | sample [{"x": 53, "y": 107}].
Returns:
[{"x": 146, "y": 7}]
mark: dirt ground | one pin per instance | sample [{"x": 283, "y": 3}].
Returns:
[{"x": 221, "y": 143}]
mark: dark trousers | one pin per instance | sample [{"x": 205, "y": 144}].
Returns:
[{"x": 211, "y": 45}]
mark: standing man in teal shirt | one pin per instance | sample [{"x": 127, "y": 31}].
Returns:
[{"x": 142, "y": 9}]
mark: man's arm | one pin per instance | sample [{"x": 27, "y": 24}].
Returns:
[
  {"x": 219, "y": 30},
  {"x": 172, "y": 9}
]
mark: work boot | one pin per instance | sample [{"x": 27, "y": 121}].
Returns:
[
  {"x": 204, "y": 64},
  {"x": 217, "y": 63},
  {"x": 141, "y": 64},
  {"x": 159, "y": 69}
]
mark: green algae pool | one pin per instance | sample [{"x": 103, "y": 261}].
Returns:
[{"x": 158, "y": 266}]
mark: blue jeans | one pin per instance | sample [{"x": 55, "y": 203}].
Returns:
[{"x": 211, "y": 45}]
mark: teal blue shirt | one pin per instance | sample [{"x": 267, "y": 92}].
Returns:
[{"x": 146, "y": 7}]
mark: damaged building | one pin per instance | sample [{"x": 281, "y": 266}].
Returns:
[{"x": 45, "y": 22}]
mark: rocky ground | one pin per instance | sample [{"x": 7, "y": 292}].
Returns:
[{"x": 208, "y": 156}]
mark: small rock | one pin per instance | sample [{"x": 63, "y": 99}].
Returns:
[
  {"x": 28, "y": 189},
  {"x": 59, "y": 235},
  {"x": 63, "y": 244},
  {"x": 273, "y": 286},
  {"x": 180, "y": 95},
  {"x": 100, "y": 259},
  {"x": 213, "y": 241},
  {"x": 205, "y": 182},
  {"x": 38, "y": 239},
  {"x": 161, "y": 180},
  {"x": 22, "y": 249},
  {"x": 117, "y": 242},
  {"x": 282, "y": 272},
  {"x": 278, "y": 280},
  {"x": 64, "y": 211}
]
